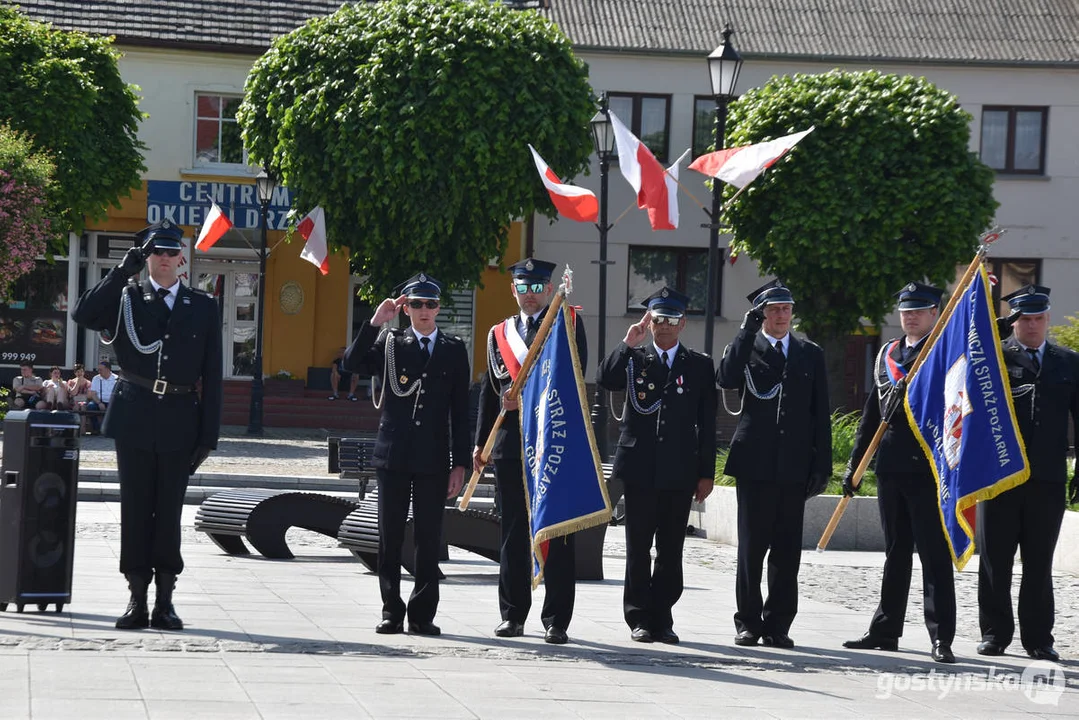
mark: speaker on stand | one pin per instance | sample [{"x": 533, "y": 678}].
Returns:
[{"x": 38, "y": 494}]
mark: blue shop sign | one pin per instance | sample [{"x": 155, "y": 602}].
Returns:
[{"x": 187, "y": 202}]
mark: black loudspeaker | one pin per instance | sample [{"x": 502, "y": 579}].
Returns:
[{"x": 38, "y": 496}]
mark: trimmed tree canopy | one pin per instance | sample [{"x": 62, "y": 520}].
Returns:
[
  {"x": 64, "y": 90},
  {"x": 408, "y": 122},
  {"x": 885, "y": 191}
]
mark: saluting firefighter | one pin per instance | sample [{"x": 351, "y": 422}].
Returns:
[
  {"x": 666, "y": 456},
  {"x": 780, "y": 455},
  {"x": 165, "y": 413},
  {"x": 1045, "y": 390},
  {"x": 422, "y": 433},
  {"x": 906, "y": 491},
  {"x": 507, "y": 345}
]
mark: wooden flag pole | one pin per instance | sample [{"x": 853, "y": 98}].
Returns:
[
  {"x": 514, "y": 391},
  {"x": 898, "y": 392}
]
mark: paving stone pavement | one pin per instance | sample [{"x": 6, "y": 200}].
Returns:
[{"x": 295, "y": 639}]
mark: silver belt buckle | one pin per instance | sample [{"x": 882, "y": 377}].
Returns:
[{"x": 160, "y": 386}]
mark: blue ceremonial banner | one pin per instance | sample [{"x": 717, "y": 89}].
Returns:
[
  {"x": 960, "y": 404},
  {"x": 563, "y": 479}
]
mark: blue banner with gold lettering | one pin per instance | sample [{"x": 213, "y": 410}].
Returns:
[
  {"x": 563, "y": 479},
  {"x": 960, "y": 404}
]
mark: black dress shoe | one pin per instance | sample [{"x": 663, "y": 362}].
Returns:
[
  {"x": 988, "y": 647},
  {"x": 1044, "y": 653},
  {"x": 667, "y": 637},
  {"x": 746, "y": 638},
  {"x": 556, "y": 636},
  {"x": 872, "y": 642},
  {"x": 424, "y": 628},
  {"x": 942, "y": 652},
  {"x": 510, "y": 628},
  {"x": 640, "y": 634},
  {"x": 781, "y": 641},
  {"x": 390, "y": 627}
]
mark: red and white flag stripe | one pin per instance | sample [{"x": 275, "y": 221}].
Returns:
[
  {"x": 217, "y": 223},
  {"x": 649, "y": 180},
  {"x": 575, "y": 203},
  {"x": 739, "y": 166},
  {"x": 313, "y": 229}
]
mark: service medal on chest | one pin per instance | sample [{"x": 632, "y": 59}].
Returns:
[
  {"x": 403, "y": 379},
  {"x": 640, "y": 381},
  {"x": 641, "y": 396},
  {"x": 651, "y": 386}
]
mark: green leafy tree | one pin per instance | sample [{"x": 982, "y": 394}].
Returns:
[
  {"x": 25, "y": 191},
  {"x": 64, "y": 90},
  {"x": 1068, "y": 334},
  {"x": 885, "y": 191},
  {"x": 408, "y": 122}
]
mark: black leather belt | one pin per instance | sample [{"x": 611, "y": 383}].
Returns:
[{"x": 158, "y": 387}]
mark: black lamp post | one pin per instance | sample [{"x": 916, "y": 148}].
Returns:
[
  {"x": 724, "y": 64},
  {"x": 265, "y": 184},
  {"x": 603, "y": 139}
]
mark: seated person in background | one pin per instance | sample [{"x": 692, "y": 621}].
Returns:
[
  {"x": 78, "y": 388},
  {"x": 26, "y": 389},
  {"x": 101, "y": 388},
  {"x": 54, "y": 391},
  {"x": 337, "y": 374}
]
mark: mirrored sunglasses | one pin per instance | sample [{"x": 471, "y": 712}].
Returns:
[
  {"x": 171, "y": 252},
  {"x": 523, "y": 288},
  {"x": 659, "y": 320},
  {"x": 417, "y": 304}
]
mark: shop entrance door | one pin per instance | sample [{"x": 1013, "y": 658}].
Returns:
[{"x": 235, "y": 287}]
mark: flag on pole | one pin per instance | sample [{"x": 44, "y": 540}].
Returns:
[
  {"x": 217, "y": 223},
  {"x": 641, "y": 170},
  {"x": 960, "y": 405},
  {"x": 313, "y": 229},
  {"x": 563, "y": 479},
  {"x": 575, "y": 203},
  {"x": 671, "y": 180},
  {"x": 739, "y": 166}
]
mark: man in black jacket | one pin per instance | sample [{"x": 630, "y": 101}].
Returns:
[
  {"x": 780, "y": 455},
  {"x": 507, "y": 344},
  {"x": 906, "y": 491},
  {"x": 1045, "y": 390},
  {"x": 666, "y": 456},
  {"x": 167, "y": 339},
  {"x": 424, "y": 386}
]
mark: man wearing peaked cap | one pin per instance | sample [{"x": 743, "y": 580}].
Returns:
[
  {"x": 423, "y": 432},
  {"x": 1045, "y": 390},
  {"x": 666, "y": 456},
  {"x": 780, "y": 455},
  {"x": 164, "y": 413},
  {"x": 906, "y": 491},
  {"x": 530, "y": 284}
]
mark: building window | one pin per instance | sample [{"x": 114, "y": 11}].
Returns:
[
  {"x": 704, "y": 119},
  {"x": 684, "y": 269},
  {"x": 1013, "y": 139},
  {"x": 1012, "y": 274},
  {"x": 647, "y": 116},
  {"x": 217, "y": 134}
]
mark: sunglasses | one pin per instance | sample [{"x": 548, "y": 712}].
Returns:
[
  {"x": 523, "y": 288},
  {"x": 167, "y": 251},
  {"x": 417, "y": 304},
  {"x": 659, "y": 320}
]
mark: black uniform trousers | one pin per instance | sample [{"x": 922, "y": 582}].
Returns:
[
  {"x": 1027, "y": 517},
  {"x": 515, "y": 559},
  {"x": 152, "y": 489},
  {"x": 652, "y": 590},
  {"x": 909, "y": 516},
  {"x": 769, "y": 521},
  {"x": 427, "y": 493}
]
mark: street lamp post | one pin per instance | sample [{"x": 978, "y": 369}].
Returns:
[
  {"x": 724, "y": 64},
  {"x": 603, "y": 139},
  {"x": 265, "y": 184}
]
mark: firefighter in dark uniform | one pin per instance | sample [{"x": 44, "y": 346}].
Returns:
[
  {"x": 906, "y": 491},
  {"x": 666, "y": 456},
  {"x": 531, "y": 287},
  {"x": 422, "y": 434},
  {"x": 165, "y": 413},
  {"x": 1045, "y": 390},
  {"x": 780, "y": 455}
]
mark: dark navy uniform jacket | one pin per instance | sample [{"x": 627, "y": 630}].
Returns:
[
  {"x": 190, "y": 353},
  {"x": 427, "y": 430},
  {"x": 675, "y": 446}
]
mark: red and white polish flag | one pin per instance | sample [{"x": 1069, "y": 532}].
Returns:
[
  {"x": 313, "y": 229},
  {"x": 739, "y": 166},
  {"x": 215, "y": 225},
  {"x": 575, "y": 203},
  {"x": 641, "y": 170}
]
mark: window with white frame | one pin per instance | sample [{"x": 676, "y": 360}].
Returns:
[{"x": 217, "y": 134}]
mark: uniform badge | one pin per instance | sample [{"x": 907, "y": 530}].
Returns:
[
  {"x": 423, "y": 278},
  {"x": 641, "y": 396},
  {"x": 403, "y": 379},
  {"x": 651, "y": 386},
  {"x": 679, "y": 391},
  {"x": 186, "y": 300},
  {"x": 678, "y": 381},
  {"x": 1015, "y": 372},
  {"x": 640, "y": 381},
  {"x": 529, "y": 266}
]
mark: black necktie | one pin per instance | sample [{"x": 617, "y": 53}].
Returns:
[
  {"x": 530, "y": 331},
  {"x": 666, "y": 360},
  {"x": 163, "y": 293},
  {"x": 426, "y": 350},
  {"x": 1034, "y": 359},
  {"x": 779, "y": 349}
]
